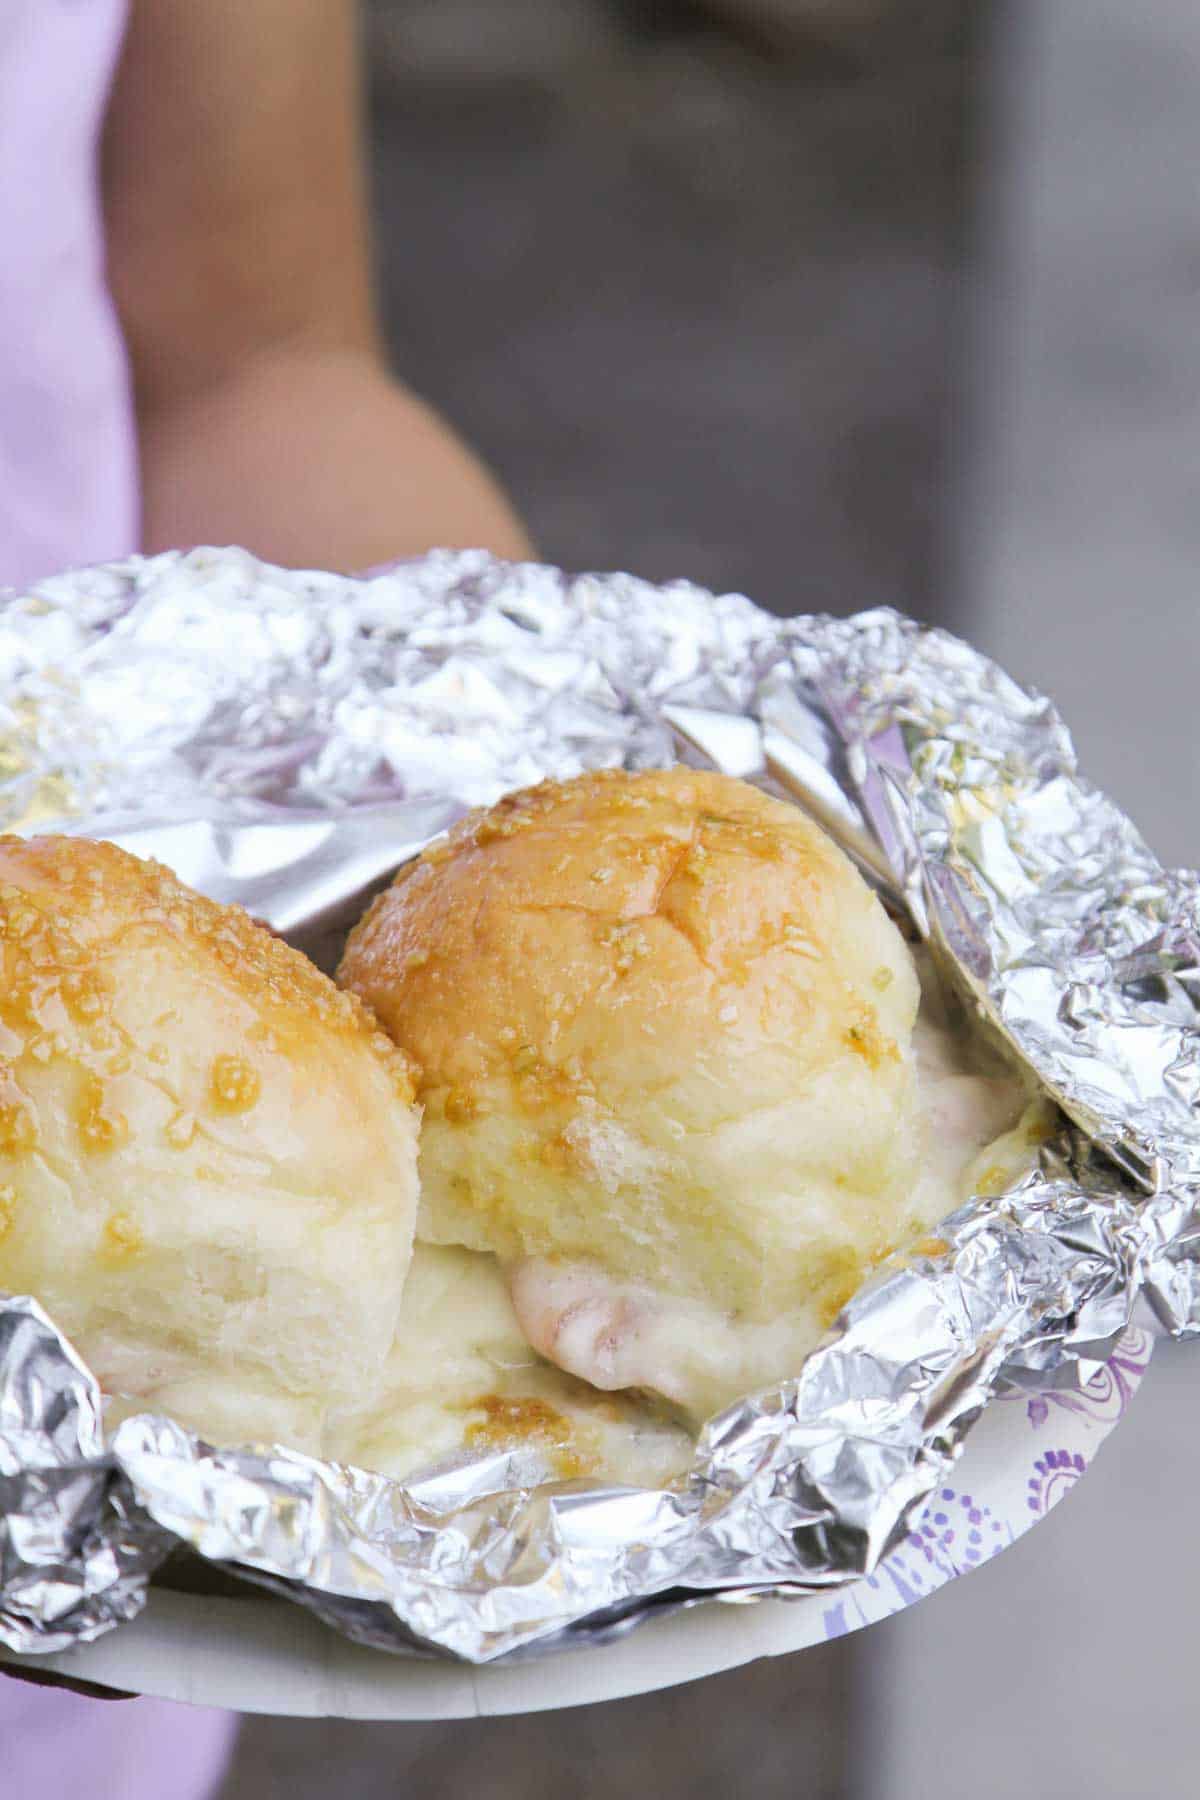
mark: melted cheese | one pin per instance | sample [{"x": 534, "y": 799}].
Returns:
[{"x": 462, "y": 1380}]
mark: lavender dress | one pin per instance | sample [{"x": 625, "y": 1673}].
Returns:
[
  {"x": 67, "y": 469},
  {"x": 68, "y": 495}
]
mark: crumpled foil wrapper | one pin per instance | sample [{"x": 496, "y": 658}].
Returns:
[{"x": 285, "y": 739}]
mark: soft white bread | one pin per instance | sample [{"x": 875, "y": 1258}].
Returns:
[
  {"x": 207, "y": 1153},
  {"x": 662, "y": 1030}
]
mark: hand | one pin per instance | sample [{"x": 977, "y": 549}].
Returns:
[{"x": 236, "y": 252}]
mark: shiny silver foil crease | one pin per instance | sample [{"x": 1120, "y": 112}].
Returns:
[{"x": 285, "y": 739}]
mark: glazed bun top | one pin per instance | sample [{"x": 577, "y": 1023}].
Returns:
[
  {"x": 207, "y": 1152},
  {"x": 662, "y": 1030}
]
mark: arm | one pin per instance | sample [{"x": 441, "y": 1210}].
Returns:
[{"x": 237, "y": 257}]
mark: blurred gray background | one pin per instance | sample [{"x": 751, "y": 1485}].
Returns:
[{"x": 838, "y": 302}]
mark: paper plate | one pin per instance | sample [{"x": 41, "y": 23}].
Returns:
[{"x": 256, "y": 1653}]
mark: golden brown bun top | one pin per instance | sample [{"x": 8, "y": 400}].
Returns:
[
  {"x": 625, "y": 929},
  {"x": 71, "y": 908},
  {"x": 207, "y": 1153}
]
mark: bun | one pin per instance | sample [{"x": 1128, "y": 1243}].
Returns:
[
  {"x": 207, "y": 1153},
  {"x": 663, "y": 1031}
]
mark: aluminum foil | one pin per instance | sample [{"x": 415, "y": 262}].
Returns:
[{"x": 286, "y": 739}]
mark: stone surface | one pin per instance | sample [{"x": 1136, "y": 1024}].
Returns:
[
  {"x": 697, "y": 305},
  {"x": 773, "y": 1730}
]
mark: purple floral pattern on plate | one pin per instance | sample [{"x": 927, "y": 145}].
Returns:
[
  {"x": 1110, "y": 1390},
  {"x": 1053, "y": 1473},
  {"x": 1019, "y": 1462}
]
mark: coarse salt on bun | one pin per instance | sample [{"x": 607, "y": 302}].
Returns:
[{"x": 207, "y": 1153}]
